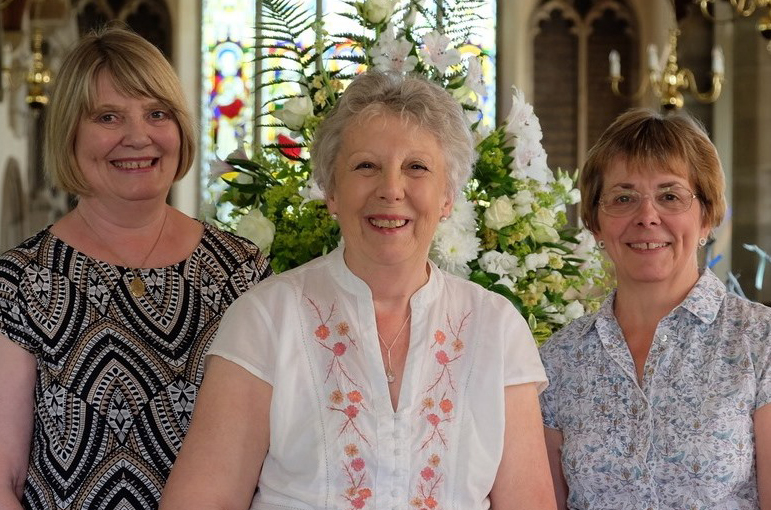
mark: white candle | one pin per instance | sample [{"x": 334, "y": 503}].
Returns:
[
  {"x": 653, "y": 58},
  {"x": 614, "y": 59},
  {"x": 718, "y": 62}
]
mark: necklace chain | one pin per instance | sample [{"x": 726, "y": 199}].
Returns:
[
  {"x": 390, "y": 376},
  {"x": 136, "y": 285}
]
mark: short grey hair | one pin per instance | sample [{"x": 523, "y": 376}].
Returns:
[{"x": 412, "y": 97}]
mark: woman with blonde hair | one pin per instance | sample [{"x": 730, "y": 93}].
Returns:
[{"x": 105, "y": 315}]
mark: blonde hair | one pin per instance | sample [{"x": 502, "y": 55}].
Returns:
[
  {"x": 137, "y": 69},
  {"x": 645, "y": 140}
]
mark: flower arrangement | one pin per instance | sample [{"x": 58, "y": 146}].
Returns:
[{"x": 508, "y": 230}]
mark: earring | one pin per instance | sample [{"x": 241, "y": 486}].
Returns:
[
  {"x": 334, "y": 216},
  {"x": 702, "y": 242},
  {"x": 443, "y": 218},
  {"x": 601, "y": 244}
]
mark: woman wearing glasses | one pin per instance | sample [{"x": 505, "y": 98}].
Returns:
[{"x": 660, "y": 399}]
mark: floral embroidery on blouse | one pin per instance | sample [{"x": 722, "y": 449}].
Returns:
[
  {"x": 338, "y": 349},
  {"x": 357, "y": 492}
]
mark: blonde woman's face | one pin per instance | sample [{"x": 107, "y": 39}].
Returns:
[{"x": 128, "y": 148}]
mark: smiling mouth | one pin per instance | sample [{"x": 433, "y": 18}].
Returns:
[
  {"x": 387, "y": 223},
  {"x": 135, "y": 165},
  {"x": 647, "y": 246}
]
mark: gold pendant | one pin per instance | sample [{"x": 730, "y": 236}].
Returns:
[{"x": 137, "y": 287}]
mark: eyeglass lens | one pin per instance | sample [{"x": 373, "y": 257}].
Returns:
[{"x": 671, "y": 200}]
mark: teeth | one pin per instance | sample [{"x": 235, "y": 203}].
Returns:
[
  {"x": 387, "y": 223},
  {"x": 133, "y": 165},
  {"x": 647, "y": 246}
]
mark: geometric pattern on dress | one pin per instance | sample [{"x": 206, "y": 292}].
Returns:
[{"x": 117, "y": 375}]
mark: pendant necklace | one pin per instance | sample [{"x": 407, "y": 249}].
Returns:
[
  {"x": 136, "y": 285},
  {"x": 390, "y": 376}
]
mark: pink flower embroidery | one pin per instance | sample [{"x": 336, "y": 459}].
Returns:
[
  {"x": 427, "y": 473},
  {"x": 445, "y": 405},
  {"x": 355, "y": 396},
  {"x": 433, "y": 419},
  {"x": 322, "y": 331},
  {"x": 357, "y": 464},
  {"x": 351, "y": 411},
  {"x": 339, "y": 349},
  {"x": 440, "y": 337}
]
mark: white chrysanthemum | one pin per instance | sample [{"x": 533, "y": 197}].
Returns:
[
  {"x": 536, "y": 260},
  {"x": 452, "y": 250},
  {"x": 502, "y": 264}
]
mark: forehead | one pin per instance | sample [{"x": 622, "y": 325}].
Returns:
[
  {"x": 623, "y": 171},
  {"x": 106, "y": 89}
]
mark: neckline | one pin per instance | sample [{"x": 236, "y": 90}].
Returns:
[{"x": 207, "y": 231}]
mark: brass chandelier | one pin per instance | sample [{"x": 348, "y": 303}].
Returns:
[
  {"x": 667, "y": 79},
  {"x": 745, "y": 9}
]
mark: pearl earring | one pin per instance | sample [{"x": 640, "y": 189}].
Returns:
[
  {"x": 601, "y": 244},
  {"x": 334, "y": 216},
  {"x": 702, "y": 242},
  {"x": 443, "y": 218}
]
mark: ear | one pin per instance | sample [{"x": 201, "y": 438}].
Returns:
[
  {"x": 330, "y": 200},
  {"x": 447, "y": 206}
]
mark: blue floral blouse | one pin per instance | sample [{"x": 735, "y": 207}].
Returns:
[{"x": 684, "y": 437}]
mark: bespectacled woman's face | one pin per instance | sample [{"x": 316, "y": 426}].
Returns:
[
  {"x": 655, "y": 240},
  {"x": 128, "y": 148},
  {"x": 390, "y": 192}
]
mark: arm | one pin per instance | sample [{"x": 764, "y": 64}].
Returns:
[
  {"x": 18, "y": 374},
  {"x": 523, "y": 480},
  {"x": 220, "y": 461},
  {"x": 762, "y": 421},
  {"x": 554, "y": 450}
]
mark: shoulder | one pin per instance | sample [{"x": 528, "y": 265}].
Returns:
[
  {"x": 748, "y": 316},
  {"x": 28, "y": 252},
  {"x": 568, "y": 338},
  {"x": 232, "y": 250}
]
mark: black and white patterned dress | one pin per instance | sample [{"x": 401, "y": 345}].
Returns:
[{"x": 117, "y": 375}]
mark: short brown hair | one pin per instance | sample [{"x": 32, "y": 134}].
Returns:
[
  {"x": 645, "y": 139},
  {"x": 137, "y": 68}
]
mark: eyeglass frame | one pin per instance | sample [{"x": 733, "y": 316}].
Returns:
[{"x": 642, "y": 196}]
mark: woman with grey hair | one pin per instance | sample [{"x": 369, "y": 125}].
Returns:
[{"x": 369, "y": 378}]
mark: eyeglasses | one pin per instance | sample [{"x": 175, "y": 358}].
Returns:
[{"x": 670, "y": 200}]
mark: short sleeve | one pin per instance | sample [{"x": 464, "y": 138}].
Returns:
[
  {"x": 13, "y": 314},
  {"x": 548, "y": 397},
  {"x": 245, "y": 337},
  {"x": 522, "y": 363},
  {"x": 761, "y": 336}
]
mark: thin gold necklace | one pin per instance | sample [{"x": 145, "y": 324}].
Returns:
[
  {"x": 390, "y": 376},
  {"x": 136, "y": 285}
]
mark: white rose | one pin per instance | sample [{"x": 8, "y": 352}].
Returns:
[
  {"x": 545, "y": 234},
  {"x": 500, "y": 213},
  {"x": 535, "y": 260},
  {"x": 294, "y": 112},
  {"x": 502, "y": 264},
  {"x": 257, "y": 228},
  {"x": 378, "y": 11},
  {"x": 545, "y": 216},
  {"x": 574, "y": 310},
  {"x": 574, "y": 196}
]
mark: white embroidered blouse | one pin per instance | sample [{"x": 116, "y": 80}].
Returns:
[{"x": 335, "y": 440}]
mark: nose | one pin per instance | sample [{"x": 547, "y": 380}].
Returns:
[
  {"x": 391, "y": 184},
  {"x": 136, "y": 133},
  {"x": 647, "y": 214}
]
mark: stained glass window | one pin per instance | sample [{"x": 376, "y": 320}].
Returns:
[{"x": 227, "y": 101}]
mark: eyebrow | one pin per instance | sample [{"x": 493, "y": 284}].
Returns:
[{"x": 663, "y": 185}]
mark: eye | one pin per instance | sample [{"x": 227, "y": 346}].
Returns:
[
  {"x": 159, "y": 115},
  {"x": 106, "y": 118},
  {"x": 670, "y": 196},
  {"x": 417, "y": 168},
  {"x": 623, "y": 197}
]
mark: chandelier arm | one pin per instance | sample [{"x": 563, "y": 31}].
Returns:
[
  {"x": 709, "y": 96},
  {"x": 704, "y": 5},
  {"x": 614, "y": 86},
  {"x": 744, "y": 7}
]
